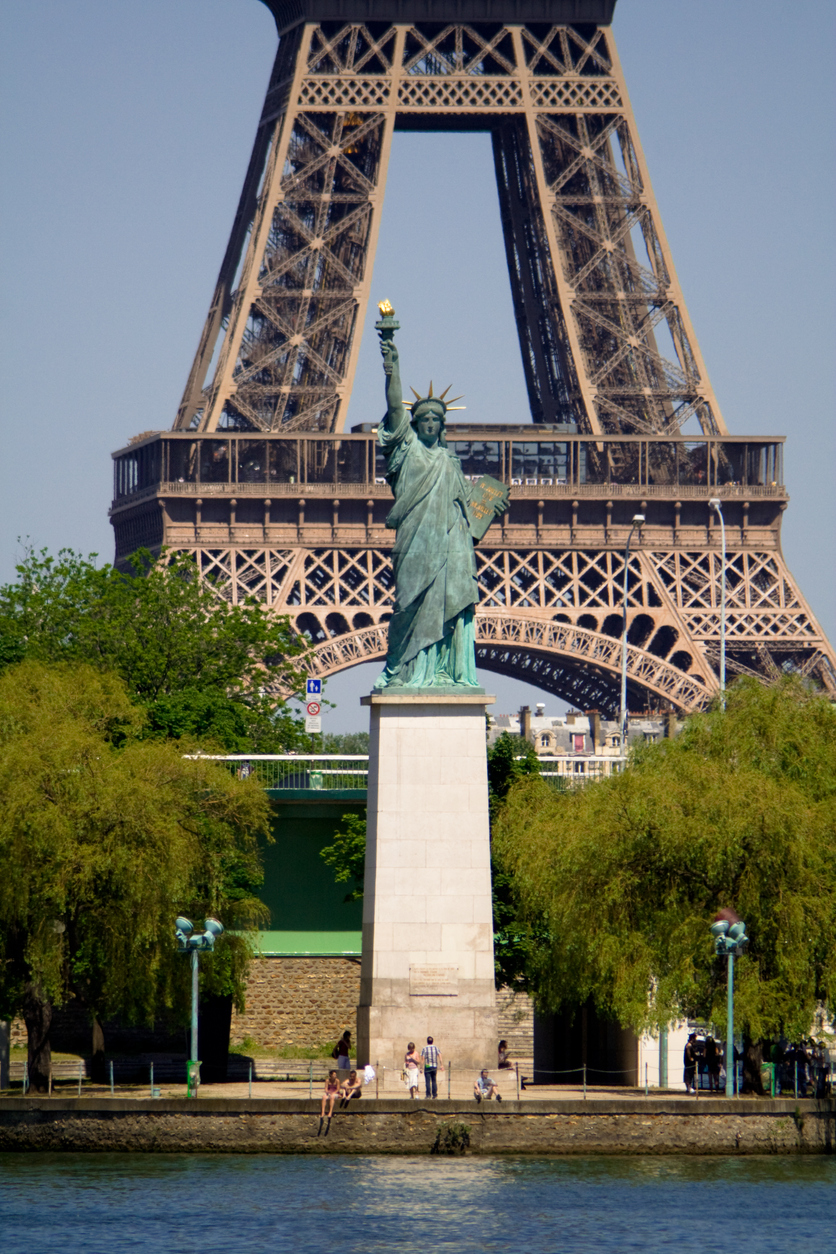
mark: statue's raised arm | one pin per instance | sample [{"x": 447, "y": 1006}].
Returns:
[{"x": 396, "y": 420}]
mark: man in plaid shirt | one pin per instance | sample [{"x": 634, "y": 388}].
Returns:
[{"x": 431, "y": 1057}]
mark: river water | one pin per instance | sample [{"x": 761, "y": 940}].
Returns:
[{"x": 243, "y": 1204}]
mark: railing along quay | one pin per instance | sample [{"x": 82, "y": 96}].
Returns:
[
  {"x": 290, "y": 772},
  {"x": 323, "y": 772}
]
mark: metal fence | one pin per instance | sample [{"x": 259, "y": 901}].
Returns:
[
  {"x": 338, "y": 772},
  {"x": 294, "y": 771}
]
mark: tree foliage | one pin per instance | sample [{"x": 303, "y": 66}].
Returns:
[
  {"x": 622, "y": 879},
  {"x": 345, "y": 742},
  {"x": 196, "y": 663},
  {"x": 105, "y": 837},
  {"x": 510, "y": 759},
  {"x": 347, "y": 855}
]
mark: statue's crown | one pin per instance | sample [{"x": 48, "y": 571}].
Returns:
[{"x": 438, "y": 400}]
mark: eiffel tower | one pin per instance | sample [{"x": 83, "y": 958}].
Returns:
[{"x": 257, "y": 480}]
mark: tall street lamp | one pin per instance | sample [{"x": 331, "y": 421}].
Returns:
[
  {"x": 729, "y": 939},
  {"x": 716, "y": 505},
  {"x": 190, "y": 941},
  {"x": 638, "y": 519}
]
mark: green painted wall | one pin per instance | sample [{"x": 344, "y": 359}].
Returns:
[{"x": 307, "y": 911}]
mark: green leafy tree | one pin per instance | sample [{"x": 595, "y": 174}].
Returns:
[
  {"x": 196, "y": 663},
  {"x": 623, "y": 878},
  {"x": 346, "y": 742},
  {"x": 347, "y": 855},
  {"x": 104, "y": 838},
  {"x": 510, "y": 759}
]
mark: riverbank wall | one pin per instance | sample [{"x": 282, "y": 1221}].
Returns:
[{"x": 379, "y": 1126}]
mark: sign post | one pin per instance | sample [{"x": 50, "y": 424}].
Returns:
[{"x": 313, "y": 707}]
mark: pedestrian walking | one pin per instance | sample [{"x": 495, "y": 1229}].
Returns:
[
  {"x": 689, "y": 1064},
  {"x": 712, "y": 1063},
  {"x": 433, "y": 1063}
]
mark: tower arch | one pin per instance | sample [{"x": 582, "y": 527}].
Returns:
[{"x": 576, "y": 664}]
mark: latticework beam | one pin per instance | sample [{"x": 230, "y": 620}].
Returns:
[
  {"x": 554, "y": 615},
  {"x": 591, "y": 274}
]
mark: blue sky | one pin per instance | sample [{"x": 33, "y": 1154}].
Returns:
[{"x": 126, "y": 133}]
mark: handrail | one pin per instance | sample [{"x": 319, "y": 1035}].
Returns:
[{"x": 278, "y": 757}]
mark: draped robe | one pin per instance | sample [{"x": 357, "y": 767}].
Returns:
[{"x": 431, "y": 632}]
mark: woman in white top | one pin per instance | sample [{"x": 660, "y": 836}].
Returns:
[{"x": 412, "y": 1065}]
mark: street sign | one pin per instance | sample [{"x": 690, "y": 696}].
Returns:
[
  {"x": 313, "y": 688},
  {"x": 313, "y": 724},
  {"x": 314, "y": 708}
]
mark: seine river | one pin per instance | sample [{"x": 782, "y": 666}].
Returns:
[{"x": 167, "y": 1203}]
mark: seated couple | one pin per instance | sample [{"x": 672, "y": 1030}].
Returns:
[{"x": 350, "y": 1088}]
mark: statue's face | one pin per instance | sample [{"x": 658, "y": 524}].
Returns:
[{"x": 428, "y": 424}]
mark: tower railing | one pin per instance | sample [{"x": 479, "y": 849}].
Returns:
[{"x": 530, "y": 458}]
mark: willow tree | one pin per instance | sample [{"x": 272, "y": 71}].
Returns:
[
  {"x": 104, "y": 839},
  {"x": 620, "y": 881}
]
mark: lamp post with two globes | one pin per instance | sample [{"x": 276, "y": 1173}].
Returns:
[
  {"x": 730, "y": 939},
  {"x": 190, "y": 941}
]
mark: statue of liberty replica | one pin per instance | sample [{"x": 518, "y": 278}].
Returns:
[
  {"x": 428, "y": 962},
  {"x": 437, "y": 515}
]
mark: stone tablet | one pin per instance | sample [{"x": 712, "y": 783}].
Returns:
[
  {"x": 484, "y": 495},
  {"x": 433, "y": 981}
]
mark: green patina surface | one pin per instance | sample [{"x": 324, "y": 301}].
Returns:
[
  {"x": 307, "y": 913},
  {"x": 431, "y": 633}
]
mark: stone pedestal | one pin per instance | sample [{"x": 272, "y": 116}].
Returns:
[{"x": 427, "y": 965}]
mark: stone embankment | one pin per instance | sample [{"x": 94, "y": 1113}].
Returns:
[{"x": 223, "y": 1125}]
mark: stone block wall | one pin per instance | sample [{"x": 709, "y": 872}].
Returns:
[
  {"x": 303, "y": 1002},
  {"x": 515, "y": 1024},
  {"x": 290, "y": 1126}
]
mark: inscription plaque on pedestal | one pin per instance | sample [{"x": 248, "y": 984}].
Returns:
[{"x": 433, "y": 981}]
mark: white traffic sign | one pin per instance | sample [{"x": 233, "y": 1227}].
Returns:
[
  {"x": 314, "y": 708},
  {"x": 313, "y": 687},
  {"x": 313, "y": 724}
]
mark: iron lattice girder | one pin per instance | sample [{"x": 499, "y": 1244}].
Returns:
[
  {"x": 540, "y": 652},
  {"x": 593, "y": 285},
  {"x": 579, "y": 209},
  {"x": 558, "y": 612}
]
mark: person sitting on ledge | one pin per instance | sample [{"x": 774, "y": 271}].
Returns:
[
  {"x": 352, "y": 1087},
  {"x": 329, "y": 1097},
  {"x": 486, "y": 1087},
  {"x": 503, "y": 1062}
]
